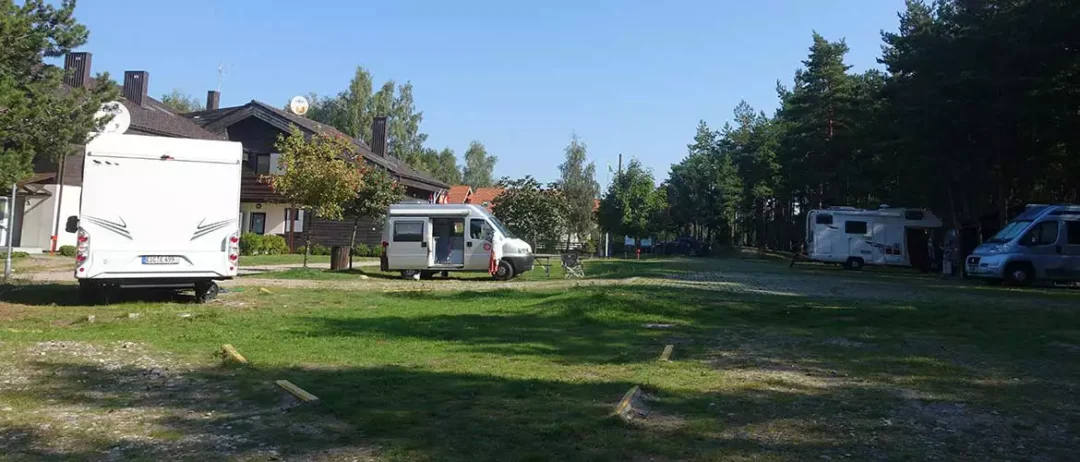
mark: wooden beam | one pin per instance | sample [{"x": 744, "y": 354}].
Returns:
[
  {"x": 296, "y": 391},
  {"x": 666, "y": 355},
  {"x": 231, "y": 353},
  {"x": 625, "y": 403}
]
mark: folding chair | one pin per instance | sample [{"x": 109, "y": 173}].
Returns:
[{"x": 572, "y": 264}]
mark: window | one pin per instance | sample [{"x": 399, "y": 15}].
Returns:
[
  {"x": 855, "y": 227},
  {"x": 823, "y": 219},
  {"x": 476, "y": 229},
  {"x": 258, "y": 223},
  {"x": 914, "y": 215},
  {"x": 1072, "y": 232},
  {"x": 408, "y": 231},
  {"x": 261, "y": 163},
  {"x": 1044, "y": 233}
]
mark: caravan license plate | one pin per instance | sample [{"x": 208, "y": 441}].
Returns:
[{"x": 159, "y": 260}]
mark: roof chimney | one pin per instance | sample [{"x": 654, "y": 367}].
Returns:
[
  {"x": 135, "y": 86},
  {"x": 378, "y": 136},
  {"x": 213, "y": 98},
  {"x": 77, "y": 69}
]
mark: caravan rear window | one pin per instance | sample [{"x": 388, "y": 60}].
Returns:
[
  {"x": 855, "y": 227},
  {"x": 914, "y": 214},
  {"x": 408, "y": 231},
  {"x": 823, "y": 219}
]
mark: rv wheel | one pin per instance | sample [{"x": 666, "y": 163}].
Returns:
[
  {"x": 205, "y": 292},
  {"x": 1018, "y": 274},
  {"x": 854, "y": 263},
  {"x": 504, "y": 272}
]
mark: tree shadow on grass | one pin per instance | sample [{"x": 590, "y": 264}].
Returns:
[{"x": 413, "y": 414}]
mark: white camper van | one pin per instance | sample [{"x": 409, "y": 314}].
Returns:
[
  {"x": 423, "y": 239},
  {"x": 157, "y": 212},
  {"x": 855, "y": 237}
]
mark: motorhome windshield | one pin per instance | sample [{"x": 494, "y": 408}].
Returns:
[
  {"x": 502, "y": 229},
  {"x": 1010, "y": 231}
]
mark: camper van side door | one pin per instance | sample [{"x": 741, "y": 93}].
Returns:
[
  {"x": 409, "y": 243},
  {"x": 1041, "y": 245},
  {"x": 478, "y": 244},
  {"x": 1071, "y": 249}
]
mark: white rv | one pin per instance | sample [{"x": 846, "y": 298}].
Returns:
[
  {"x": 157, "y": 212},
  {"x": 424, "y": 239},
  {"x": 855, "y": 237}
]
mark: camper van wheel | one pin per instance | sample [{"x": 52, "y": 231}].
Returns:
[
  {"x": 1019, "y": 274},
  {"x": 206, "y": 291},
  {"x": 854, "y": 263},
  {"x": 505, "y": 271}
]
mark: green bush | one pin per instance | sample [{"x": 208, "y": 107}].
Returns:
[
  {"x": 259, "y": 244},
  {"x": 589, "y": 247},
  {"x": 14, "y": 255},
  {"x": 250, "y": 243},
  {"x": 273, "y": 245},
  {"x": 362, "y": 250},
  {"x": 316, "y": 249},
  {"x": 67, "y": 250}
]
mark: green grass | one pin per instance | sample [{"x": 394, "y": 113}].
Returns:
[{"x": 533, "y": 375}]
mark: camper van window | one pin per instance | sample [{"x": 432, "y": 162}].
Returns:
[
  {"x": 476, "y": 229},
  {"x": 1072, "y": 232},
  {"x": 1044, "y": 233},
  {"x": 914, "y": 215},
  {"x": 823, "y": 219},
  {"x": 1009, "y": 232},
  {"x": 502, "y": 229},
  {"x": 855, "y": 227},
  {"x": 409, "y": 231}
]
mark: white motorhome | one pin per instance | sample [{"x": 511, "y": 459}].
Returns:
[
  {"x": 157, "y": 212},
  {"x": 424, "y": 239},
  {"x": 856, "y": 237}
]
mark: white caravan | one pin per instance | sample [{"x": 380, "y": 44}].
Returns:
[
  {"x": 157, "y": 212},
  {"x": 855, "y": 237},
  {"x": 423, "y": 239}
]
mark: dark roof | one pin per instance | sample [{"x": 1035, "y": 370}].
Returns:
[
  {"x": 154, "y": 118},
  {"x": 218, "y": 120}
]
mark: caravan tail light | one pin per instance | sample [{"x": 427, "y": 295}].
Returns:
[
  {"x": 82, "y": 249},
  {"x": 234, "y": 250}
]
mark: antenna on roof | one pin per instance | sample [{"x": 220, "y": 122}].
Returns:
[
  {"x": 222, "y": 71},
  {"x": 298, "y": 105}
]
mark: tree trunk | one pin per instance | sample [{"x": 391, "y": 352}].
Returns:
[
  {"x": 352, "y": 240},
  {"x": 307, "y": 241}
]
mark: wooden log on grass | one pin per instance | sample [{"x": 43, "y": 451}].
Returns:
[
  {"x": 666, "y": 355},
  {"x": 625, "y": 404},
  {"x": 231, "y": 353},
  {"x": 296, "y": 391}
]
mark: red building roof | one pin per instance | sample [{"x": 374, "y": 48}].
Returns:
[{"x": 458, "y": 194}]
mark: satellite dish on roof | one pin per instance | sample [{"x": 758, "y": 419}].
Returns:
[
  {"x": 121, "y": 118},
  {"x": 298, "y": 105}
]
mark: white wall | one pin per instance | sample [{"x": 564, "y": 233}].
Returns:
[
  {"x": 275, "y": 217},
  {"x": 39, "y": 218}
]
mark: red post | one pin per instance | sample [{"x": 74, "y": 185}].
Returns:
[{"x": 637, "y": 253}]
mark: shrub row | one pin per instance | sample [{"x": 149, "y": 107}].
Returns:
[{"x": 262, "y": 244}]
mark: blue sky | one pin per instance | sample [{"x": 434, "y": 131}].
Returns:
[{"x": 630, "y": 77}]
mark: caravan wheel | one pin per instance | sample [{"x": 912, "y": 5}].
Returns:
[{"x": 854, "y": 263}]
